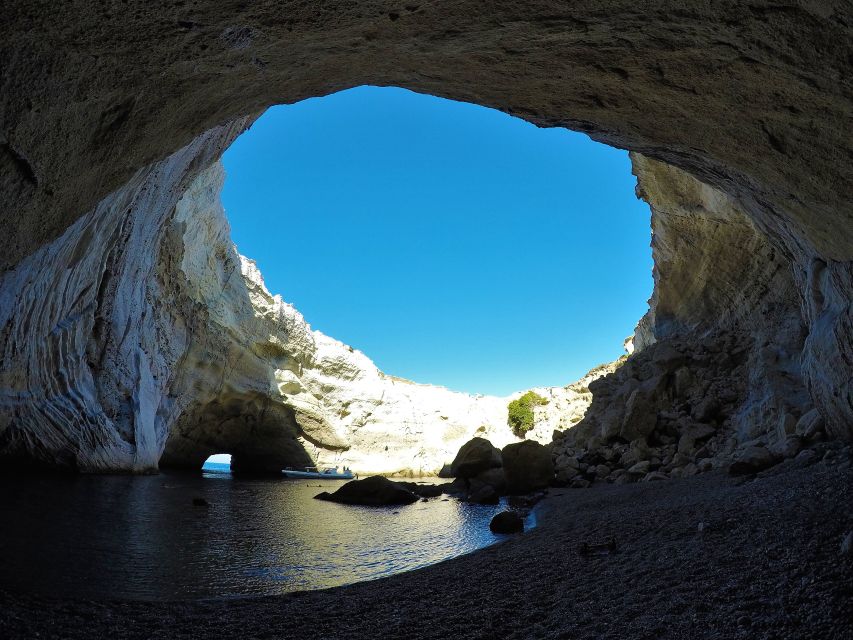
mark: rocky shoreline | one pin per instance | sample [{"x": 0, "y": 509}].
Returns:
[{"x": 716, "y": 556}]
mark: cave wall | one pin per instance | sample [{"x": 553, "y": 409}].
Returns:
[
  {"x": 108, "y": 115},
  {"x": 752, "y": 98}
]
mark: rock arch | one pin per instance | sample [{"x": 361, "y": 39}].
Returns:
[{"x": 109, "y": 117}]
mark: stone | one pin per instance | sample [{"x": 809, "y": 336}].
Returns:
[
  {"x": 423, "y": 490},
  {"x": 789, "y": 447},
  {"x": 753, "y": 460},
  {"x": 507, "y": 522},
  {"x": 809, "y": 425},
  {"x": 694, "y": 433},
  {"x": 683, "y": 381},
  {"x": 787, "y": 425},
  {"x": 475, "y": 456},
  {"x": 493, "y": 478},
  {"x": 680, "y": 459},
  {"x": 484, "y": 494},
  {"x": 563, "y": 476},
  {"x": 527, "y": 466},
  {"x": 638, "y": 450},
  {"x": 707, "y": 410},
  {"x": 640, "y": 468},
  {"x": 580, "y": 483},
  {"x": 847, "y": 544},
  {"x": 705, "y": 465},
  {"x": 654, "y": 476},
  {"x": 806, "y": 458},
  {"x": 459, "y": 488},
  {"x": 615, "y": 475},
  {"x": 374, "y": 491},
  {"x": 602, "y": 471},
  {"x": 667, "y": 357},
  {"x": 640, "y": 415}
]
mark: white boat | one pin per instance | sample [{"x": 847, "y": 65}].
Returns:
[{"x": 315, "y": 473}]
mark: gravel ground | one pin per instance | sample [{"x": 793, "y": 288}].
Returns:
[{"x": 765, "y": 563}]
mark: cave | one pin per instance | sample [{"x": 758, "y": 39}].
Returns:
[{"x": 114, "y": 290}]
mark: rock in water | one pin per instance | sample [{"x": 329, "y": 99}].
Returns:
[
  {"x": 485, "y": 494},
  {"x": 527, "y": 466},
  {"x": 507, "y": 522},
  {"x": 423, "y": 490},
  {"x": 375, "y": 491},
  {"x": 474, "y": 457}
]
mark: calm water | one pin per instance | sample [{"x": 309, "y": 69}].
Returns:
[{"x": 140, "y": 537}]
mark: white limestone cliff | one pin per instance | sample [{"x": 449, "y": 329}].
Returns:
[{"x": 316, "y": 392}]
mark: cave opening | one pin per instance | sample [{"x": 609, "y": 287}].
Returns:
[
  {"x": 217, "y": 463},
  {"x": 445, "y": 240}
]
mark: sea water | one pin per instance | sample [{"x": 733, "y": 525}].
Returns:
[{"x": 141, "y": 537}]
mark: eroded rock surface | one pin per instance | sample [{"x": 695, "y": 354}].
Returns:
[{"x": 130, "y": 329}]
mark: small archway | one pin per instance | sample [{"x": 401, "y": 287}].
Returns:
[{"x": 217, "y": 463}]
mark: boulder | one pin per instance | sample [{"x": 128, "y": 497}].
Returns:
[
  {"x": 705, "y": 465},
  {"x": 423, "y": 490},
  {"x": 475, "y": 456},
  {"x": 375, "y": 491},
  {"x": 640, "y": 415},
  {"x": 667, "y": 357},
  {"x": 459, "y": 488},
  {"x": 484, "y": 494},
  {"x": 789, "y": 447},
  {"x": 638, "y": 450},
  {"x": 809, "y": 425},
  {"x": 527, "y": 466},
  {"x": 493, "y": 478},
  {"x": 692, "y": 434},
  {"x": 707, "y": 409},
  {"x": 753, "y": 460},
  {"x": 566, "y": 468},
  {"x": 655, "y": 475},
  {"x": 640, "y": 468},
  {"x": 507, "y": 522},
  {"x": 806, "y": 458}
]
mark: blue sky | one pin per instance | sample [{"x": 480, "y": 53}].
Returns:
[{"x": 453, "y": 244}]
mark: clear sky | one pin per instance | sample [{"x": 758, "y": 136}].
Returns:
[{"x": 453, "y": 244}]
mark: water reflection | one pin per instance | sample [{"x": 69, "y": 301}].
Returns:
[{"x": 142, "y": 538}]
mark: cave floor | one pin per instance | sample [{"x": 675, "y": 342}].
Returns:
[{"x": 766, "y": 563}]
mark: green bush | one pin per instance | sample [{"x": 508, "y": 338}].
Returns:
[{"x": 520, "y": 417}]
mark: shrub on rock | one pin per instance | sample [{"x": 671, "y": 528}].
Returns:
[{"x": 520, "y": 412}]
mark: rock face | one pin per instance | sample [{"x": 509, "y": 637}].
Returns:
[{"x": 130, "y": 329}]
